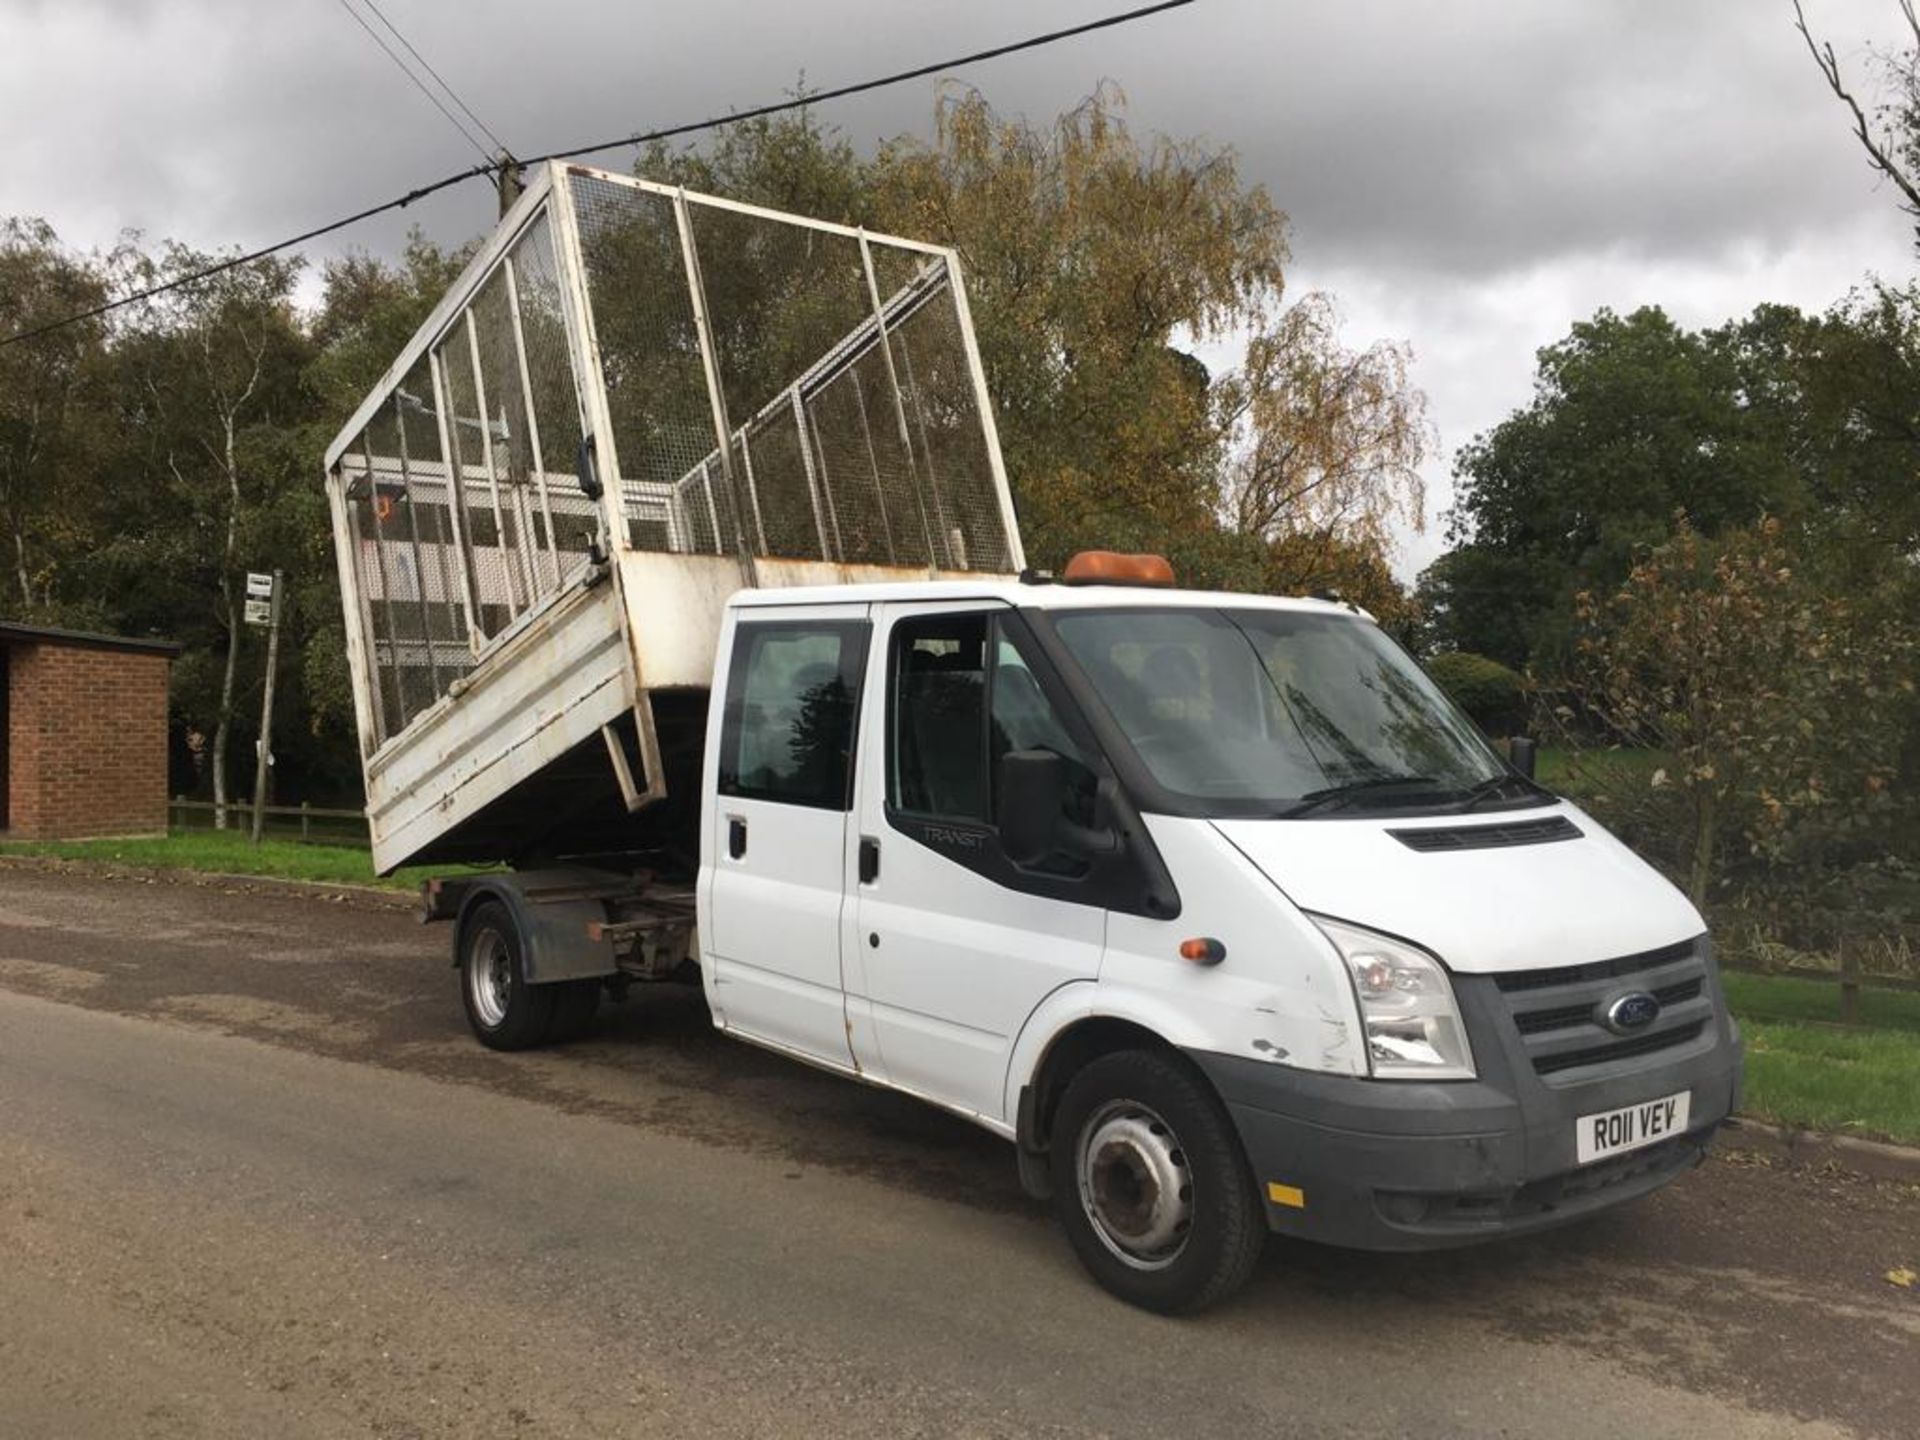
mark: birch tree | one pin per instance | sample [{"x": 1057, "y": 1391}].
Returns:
[{"x": 212, "y": 378}]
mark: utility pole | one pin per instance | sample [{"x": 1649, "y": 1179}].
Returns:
[
  {"x": 266, "y": 710},
  {"x": 507, "y": 177}
]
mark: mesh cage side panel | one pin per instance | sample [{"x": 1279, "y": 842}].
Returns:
[
  {"x": 571, "y": 518},
  {"x": 509, "y": 443},
  {"x": 785, "y": 507},
  {"x": 493, "y": 593},
  {"x": 361, "y": 491},
  {"x": 650, "y": 364},
  {"x": 783, "y": 298},
  {"x": 865, "y": 467},
  {"x": 945, "y": 425},
  {"x": 428, "y": 552},
  {"x": 406, "y": 620}
]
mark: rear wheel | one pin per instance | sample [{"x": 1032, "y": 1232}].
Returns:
[
  {"x": 1151, "y": 1185},
  {"x": 505, "y": 1012}
]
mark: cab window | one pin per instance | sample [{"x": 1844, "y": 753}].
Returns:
[
  {"x": 792, "y": 691},
  {"x": 962, "y": 695}
]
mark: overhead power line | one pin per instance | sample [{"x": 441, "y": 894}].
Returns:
[
  {"x": 646, "y": 137},
  {"x": 499, "y": 145},
  {"x": 418, "y": 83}
]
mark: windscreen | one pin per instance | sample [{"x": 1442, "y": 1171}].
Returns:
[{"x": 1241, "y": 712}]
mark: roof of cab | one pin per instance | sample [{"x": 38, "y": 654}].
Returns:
[{"x": 1044, "y": 596}]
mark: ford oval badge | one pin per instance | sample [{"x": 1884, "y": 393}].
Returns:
[{"x": 1631, "y": 1012}]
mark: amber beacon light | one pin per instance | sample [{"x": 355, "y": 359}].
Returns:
[{"x": 1110, "y": 567}]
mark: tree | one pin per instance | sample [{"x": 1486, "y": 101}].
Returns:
[
  {"x": 1775, "y": 700},
  {"x": 1094, "y": 261},
  {"x": 1327, "y": 442},
  {"x": 1487, "y": 690},
  {"x": 1891, "y": 134},
  {"x": 46, "y": 434},
  {"x": 1089, "y": 253},
  {"x": 1633, "y": 418},
  {"x": 211, "y": 399}
]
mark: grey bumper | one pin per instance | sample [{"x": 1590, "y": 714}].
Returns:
[{"x": 1396, "y": 1165}]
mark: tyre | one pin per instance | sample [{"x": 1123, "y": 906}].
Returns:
[
  {"x": 1151, "y": 1185},
  {"x": 575, "y": 1002},
  {"x": 506, "y": 1013}
]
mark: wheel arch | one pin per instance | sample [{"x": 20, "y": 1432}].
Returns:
[
  {"x": 555, "y": 942},
  {"x": 1065, "y": 1034}
]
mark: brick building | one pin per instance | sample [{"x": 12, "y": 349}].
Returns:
[{"x": 83, "y": 723}]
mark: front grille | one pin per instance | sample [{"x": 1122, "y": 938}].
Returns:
[
  {"x": 1557, "y": 1012},
  {"x": 1539, "y": 1022},
  {"x": 1488, "y": 837},
  {"x": 1625, "y": 1048}
]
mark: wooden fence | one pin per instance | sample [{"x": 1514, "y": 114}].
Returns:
[{"x": 313, "y": 824}]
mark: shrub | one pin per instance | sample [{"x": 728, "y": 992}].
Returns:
[
  {"x": 1777, "y": 698},
  {"x": 1487, "y": 690}
]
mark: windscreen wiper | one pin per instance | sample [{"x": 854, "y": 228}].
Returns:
[
  {"x": 1335, "y": 795},
  {"x": 1475, "y": 795}
]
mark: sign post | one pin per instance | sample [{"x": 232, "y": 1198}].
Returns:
[{"x": 263, "y": 608}]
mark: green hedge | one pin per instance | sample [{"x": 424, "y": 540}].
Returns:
[{"x": 1487, "y": 690}]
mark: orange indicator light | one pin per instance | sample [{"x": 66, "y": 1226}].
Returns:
[{"x": 1203, "y": 950}]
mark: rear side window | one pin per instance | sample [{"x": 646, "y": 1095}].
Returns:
[{"x": 793, "y": 688}]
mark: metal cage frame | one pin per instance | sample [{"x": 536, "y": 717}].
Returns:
[{"x": 534, "y": 572}]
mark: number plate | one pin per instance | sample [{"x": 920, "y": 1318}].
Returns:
[{"x": 1614, "y": 1132}]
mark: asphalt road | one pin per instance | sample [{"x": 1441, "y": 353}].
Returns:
[{"x": 256, "y": 1179}]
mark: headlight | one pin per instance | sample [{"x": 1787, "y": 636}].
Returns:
[{"x": 1413, "y": 1026}]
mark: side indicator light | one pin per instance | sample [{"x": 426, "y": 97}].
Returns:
[
  {"x": 1203, "y": 950},
  {"x": 1291, "y": 1196}
]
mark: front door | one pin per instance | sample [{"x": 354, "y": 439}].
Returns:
[
  {"x": 956, "y": 945},
  {"x": 778, "y": 842}
]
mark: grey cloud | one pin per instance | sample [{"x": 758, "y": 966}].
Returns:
[
  {"x": 1475, "y": 174},
  {"x": 1457, "y": 141}
]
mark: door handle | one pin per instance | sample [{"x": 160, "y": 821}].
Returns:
[
  {"x": 869, "y": 859},
  {"x": 736, "y": 837}
]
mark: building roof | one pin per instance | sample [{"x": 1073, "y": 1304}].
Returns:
[{"x": 13, "y": 632}]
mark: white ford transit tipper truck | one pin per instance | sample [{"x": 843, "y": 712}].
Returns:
[{"x": 681, "y": 576}]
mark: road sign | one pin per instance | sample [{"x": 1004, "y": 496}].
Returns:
[
  {"x": 259, "y": 587},
  {"x": 259, "y": 612}
]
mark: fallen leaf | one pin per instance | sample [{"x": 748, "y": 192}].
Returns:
[{"x": 1903, "y": 1277}]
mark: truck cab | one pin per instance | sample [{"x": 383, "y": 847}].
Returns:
[{"x": 1212, "y": 904}]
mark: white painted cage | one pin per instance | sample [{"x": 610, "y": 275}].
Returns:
[{"x": 765, "y": 399}]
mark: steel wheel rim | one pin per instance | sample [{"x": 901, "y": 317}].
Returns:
[
  {"x": 1135, "y": 1185},
  {"x": 490, "y": 978}
]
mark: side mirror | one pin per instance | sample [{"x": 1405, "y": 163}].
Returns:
[
  {"x": 586, "y": 471},
  {"x": 1521, "y": 753},
  {"x": 1033, "y": 792}
]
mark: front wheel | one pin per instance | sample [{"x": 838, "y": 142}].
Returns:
[
  {"x": 1151, "y": 1185},
  {"x": 506, "y": 1013}
]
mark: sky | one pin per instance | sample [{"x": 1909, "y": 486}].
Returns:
[{"x": 1468, "y": 178}]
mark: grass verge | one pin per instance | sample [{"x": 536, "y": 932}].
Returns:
[
  {"x": 231, "y": 853},
  {"x": 1807, "y": 1071}
]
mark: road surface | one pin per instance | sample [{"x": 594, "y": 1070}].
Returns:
[{"x": 256, "y": 1179}]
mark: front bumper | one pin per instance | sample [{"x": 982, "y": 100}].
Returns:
[{"x": 1398, "y": 1165}]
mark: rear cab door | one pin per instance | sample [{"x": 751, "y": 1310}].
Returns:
[{"x": 776, "y": 833}]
